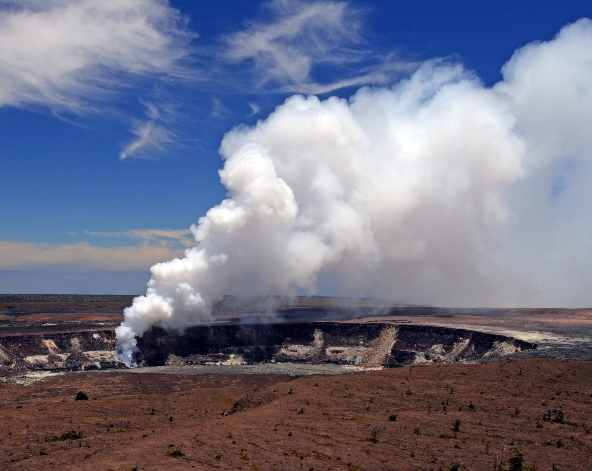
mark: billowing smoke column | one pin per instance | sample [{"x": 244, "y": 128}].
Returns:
[{"x": 437, "y": 190}]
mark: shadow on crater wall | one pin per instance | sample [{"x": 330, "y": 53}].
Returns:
[{"x": 369, "y": 345}]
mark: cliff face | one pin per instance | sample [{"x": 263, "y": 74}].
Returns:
[
  {"x": 365, "y": 345},
  {"x": 59, "y": 351}
]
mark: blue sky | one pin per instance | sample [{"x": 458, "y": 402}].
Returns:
[{"x": 111, "y": 117}]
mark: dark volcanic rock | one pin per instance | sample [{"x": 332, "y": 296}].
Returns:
[
  {"x": 35, "y": 334},
  {"x": 367, "y": 345},
  {"x": 362, "y": 344}
]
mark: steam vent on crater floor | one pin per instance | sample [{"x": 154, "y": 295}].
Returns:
[{"x": 67, "y": 333}]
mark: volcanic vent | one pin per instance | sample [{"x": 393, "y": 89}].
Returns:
[{"x": 80, "y": 335}]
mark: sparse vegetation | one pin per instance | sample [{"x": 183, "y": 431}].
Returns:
[
  {"x": 555, "y": 415},
  {"x": 348, "y": 433},
  {"x": 373, "y": 435},
  {"x": 516, "y": 462},
  {"x": 81, "y": 396},
  {"x": 175, "y": 453},
  {"x": 69, "y": 435}
]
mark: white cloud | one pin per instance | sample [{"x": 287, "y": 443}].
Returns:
[
  {"x": 78, "y": 56},
  {"x": 149, "y": 136},
  {"x": 255, "y": 108},
  {"x": 218, "y": 108},
  {"x": 162, "y": 237},
  {"x": 65, "y": 54},
  {"x": 81, "y": 256},
  {"x": 304, "y": 35}
]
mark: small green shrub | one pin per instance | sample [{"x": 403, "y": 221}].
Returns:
[
  {"x": 516, "y": 462},
  {"x": 80, "y": 396},
  {"x": 373, "y": 436},
  {"x": 393, "y": 417},
  {"x": 555, "y": 415},
  {"x": 457, "y": 425},
  {"x": 175, "y": 453},
  {"x": 69, "y": 435}
]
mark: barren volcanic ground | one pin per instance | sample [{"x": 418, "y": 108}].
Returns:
[
  {"x": 394, "y": 419},
  {"x": 474, "y": 389}
]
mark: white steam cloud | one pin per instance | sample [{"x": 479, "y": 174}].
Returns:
[{"x": 438, "y": 190}]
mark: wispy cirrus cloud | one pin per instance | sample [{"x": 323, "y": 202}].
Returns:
[
  {"x": 64, "y": 53},
  {"x": 80, "y": 56},
  {"x": 76, "y": 56},
  {"x": 149, "y": 136},
  {"x": 163, "y": 237},
  {"x": 255, "y": 108},
  {"x": 218, "y": 108},
  {"x": 302, "y": 40}
]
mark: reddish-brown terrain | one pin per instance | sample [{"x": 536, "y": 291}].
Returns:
[
  {"x": 529, "y": 409},
  {"x": 394, "y": 419}
]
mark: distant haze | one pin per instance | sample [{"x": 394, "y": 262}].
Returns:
[{"x": 435, "y": 191}]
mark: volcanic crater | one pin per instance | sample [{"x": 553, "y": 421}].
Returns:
[{"x": 332, "y": 384}]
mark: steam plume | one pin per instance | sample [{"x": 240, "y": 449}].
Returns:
[{"x": 437, "y": 190}]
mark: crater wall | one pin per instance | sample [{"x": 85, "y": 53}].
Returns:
[
  {"x": 365, "y": 345},
  {"x": 370, "y": 345}
]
